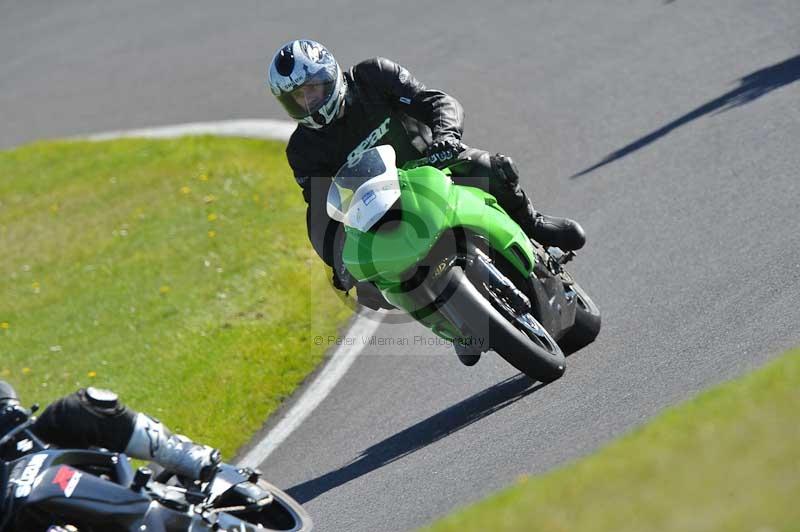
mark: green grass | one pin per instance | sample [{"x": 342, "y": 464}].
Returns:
[
  {"x": 729, "y": 460},
  {"x": 177, "y": 272}
]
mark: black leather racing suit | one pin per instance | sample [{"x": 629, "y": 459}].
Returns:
[{"x": 386, "y": 105}]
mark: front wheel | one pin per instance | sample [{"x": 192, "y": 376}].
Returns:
[
  {"x": 275, "y": 511},
  {"x": 282, "y": 514},
  {"x": 489, "y": 322}
]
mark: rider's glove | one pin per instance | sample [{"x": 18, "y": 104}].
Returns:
[
  {"x": 443, "y": 152},
  {"x": 342, "y": 280}
]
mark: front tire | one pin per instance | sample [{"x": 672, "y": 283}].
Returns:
[
  {"x": 469, "y": 310},
  {"x": 283, "y": 514}
]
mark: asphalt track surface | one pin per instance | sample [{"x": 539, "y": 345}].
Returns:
[{"x": 668, "y": 129}]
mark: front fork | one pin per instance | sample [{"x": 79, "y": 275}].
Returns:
[
  {"x": 488, "y": 277},
  {"x": 423, "y": 297}
]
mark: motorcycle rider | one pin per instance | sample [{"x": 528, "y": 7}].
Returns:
[
  {"x": 93, "y": 417},
  {"x": 341, "y": 114}
]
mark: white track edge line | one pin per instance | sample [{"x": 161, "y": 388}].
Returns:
[
  {"x": 362, "y": 327},
  {"x": 340, "y": 361},
  {"x": 261, "y": 129}
]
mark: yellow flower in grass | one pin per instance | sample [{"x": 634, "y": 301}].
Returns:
[
  {"x": 26, "y": 371},
  {"x": 212, "y": 234},
  {"x": 212, "y": 217},
  {"x": 203, "y": 177},
  {"x": 185, "y": 190},
  {"x": 92, "y": 374},
  {"x": 164, "y": 290},
  {"x": 4, "y": 325}
]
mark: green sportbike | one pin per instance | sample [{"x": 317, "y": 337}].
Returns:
[{"x": 454, "y": 260}]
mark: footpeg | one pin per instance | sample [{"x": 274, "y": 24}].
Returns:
[
  {"x": 566, "y": 257},
  {"x": 559, "y": 256}
]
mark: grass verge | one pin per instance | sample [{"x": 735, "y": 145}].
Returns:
[
  {"x": 176, "y": 272},
  {"x": 728, "y": 460}
]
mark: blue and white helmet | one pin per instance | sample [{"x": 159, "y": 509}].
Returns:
[{"x": 308, "y": 82}]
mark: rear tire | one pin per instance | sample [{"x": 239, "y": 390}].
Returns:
[
  {"x": 471, "y": 312},
  {"x": 587, "y": 323}
]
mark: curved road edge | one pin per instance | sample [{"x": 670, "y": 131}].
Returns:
[{"x": 364, "y": 324}]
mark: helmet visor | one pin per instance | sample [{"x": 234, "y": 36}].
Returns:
[{"x": 310, "y": 96}]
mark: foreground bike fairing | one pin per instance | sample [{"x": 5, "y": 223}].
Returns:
[
  {"x": 452, "y": 258},
  {"x": 97, "y": 490}
]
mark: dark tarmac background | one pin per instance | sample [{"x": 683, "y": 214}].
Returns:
[{"x": 668, "y": 129}]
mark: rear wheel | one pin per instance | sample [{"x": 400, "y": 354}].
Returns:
[{"x": 587, "y": 322}]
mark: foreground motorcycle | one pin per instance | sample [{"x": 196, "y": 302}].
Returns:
[
  {"x": 44, "y": 488},
  {"x": 453, "y": 259}
]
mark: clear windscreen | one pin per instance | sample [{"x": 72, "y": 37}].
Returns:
[{"x": 364, "y": 188}]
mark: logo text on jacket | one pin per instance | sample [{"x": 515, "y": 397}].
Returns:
[{"x": 372, "y": 139}]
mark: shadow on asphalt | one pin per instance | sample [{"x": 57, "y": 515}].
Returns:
[
  {"x": 430, "y": 430},
  {"x": 751, "y": 87}
]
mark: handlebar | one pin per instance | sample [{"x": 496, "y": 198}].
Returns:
[
  {"x": 447, "y": 169},
  {"x": 16, "y": 420},
  {"x": 416, "y": 163}
]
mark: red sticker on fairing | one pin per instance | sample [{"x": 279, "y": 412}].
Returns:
[{"x": 67, "y": 479}]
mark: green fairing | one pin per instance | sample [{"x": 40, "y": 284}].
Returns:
[{"x": 431, "y": 205}]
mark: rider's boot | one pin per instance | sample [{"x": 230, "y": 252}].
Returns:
[
  {"x": 563, "y": 233},
  {"x": 549, "y": 230},
  {"x": 151, "y": 440},
  {"x": 468, "y": 355}
]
